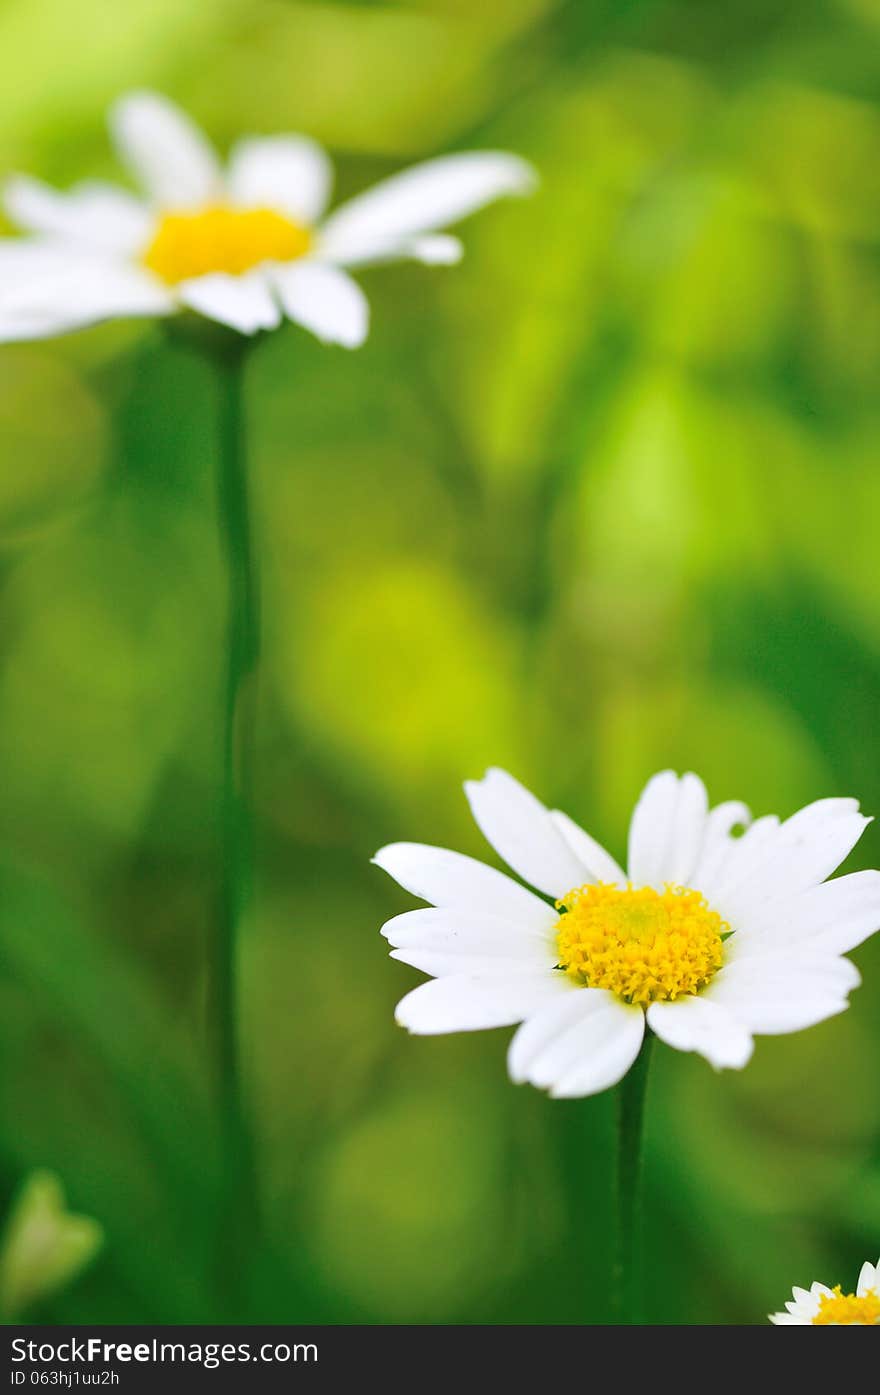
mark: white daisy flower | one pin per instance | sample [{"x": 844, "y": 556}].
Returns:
[
  {"x": 246, "y": 245},
  {"x": 819, "y": 1306},
  {"x": 707, "y": 936}
]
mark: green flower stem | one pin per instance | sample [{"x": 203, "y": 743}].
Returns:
[
  {"x": 630, "y": 1113},
  {"x": 237, "y": 1217}
]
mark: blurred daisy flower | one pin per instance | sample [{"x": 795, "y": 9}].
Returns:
[
  {"x": 245, "y": 246},
  {"x": 708, "y": 937},
  {"x": 819, "y": 1306}
]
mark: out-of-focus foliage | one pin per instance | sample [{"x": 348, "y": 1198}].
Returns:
[
  {"x": 603, "y": 499},
  {"x": 44, "y": 1247}
]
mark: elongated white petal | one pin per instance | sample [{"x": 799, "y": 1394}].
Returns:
[
  {"x": 579, "y": 1045},
  {"x": 725, "y": 817},
  {"x": 829, "y": 919},
  {"x": 523, "y": 833},
  {"x": 450, "y": 879},
  {"x": 687, "y": 831},
  {"x": 46, "y": 276},
  {"x": 597, "y": 863},
  {"x": 165, "y": 152},
  {"x": 788, "y": 1320},
  {"x": 91, "y": 215},
  {"x": 741, "y": 857},
  {"x": 244, "y": 303},
  {"x": 440, "y": 963},
  {"x": 47, "y": 289},
  {"x": 773, "y": 996},
  {"x": 803, "y": 1304},
  {"x": 650, "y": 829},
  {"x": 20, "y": 329},
  {"x": 476, "y": 1002},
  {"x": 538, "y": 1035},
  {"x": 433, "y": 249},
  {"x": 790, "y": 870},
  {"x": 474, "y": 932},
  {"x": 423, "y": 200},
  {"x": 325, "y": 301},
  {"x": 696, "y": 1024},
  {"x": 442, "y": 941},
  {"x": 800, "y": 854},
  {"x": 800, "y": 1297},
  {"x": 869, "y": 1279},
  {"x": 26, "y": 258},
  {"x": 610, "y": 1062},
  {"x": 289, "y": 173},
  {"x": 718, "y": 842}
]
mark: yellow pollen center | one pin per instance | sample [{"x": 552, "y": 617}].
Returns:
[
  {"x": 644, "y": 945},
  {"x": 198, "y": 242},
  {"x": 847, "y": 1310}
]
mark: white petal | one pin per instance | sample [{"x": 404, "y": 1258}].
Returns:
[
  {"x": 696, "y": 1024},
  {"x": 450, "y": 879},
  {"x": 774, "y": 996},
  {"x": 442, "y": 941},
  {"x": 725, "y": 817},
  {"x": 424, "y": 199},
  {"x": 20, "y": 329},
  {"x": 823, "y": 848},
  {"x": 325, "y": 301},
  {"x": 687, "y": 832},
  {"x": 869, "y": 1279},
  {"x": 29, "y": 257},
  {"x": 544, "y": 1029},
  {"x": 441, "y": 963},
  {"x": 434, "y": 249},
  {"x": 475, "y": 1002},
  {"x": 804, "y": 1305},
  {"x": 578, "y": 1046},
  {"x": 522, "y": 832},
  {"x": 649, "y": 830},
  {"x": 165, "y": 151},
  {"x": 244, "y": 303},
  {"x": 599, "y": 864},
  {"x": 472, "y": 932},
  {"x": 743, "y": 856},
  {"x": 801, "y": 1308},
  {"x": 289, "y": 173},
  {"x": 800, "y": 854},
  {"x": 717, "y": 840},
  {"x": 92, "y": 215},
  {"x": 829, "y": 919},
  {"x": 50, "y": 289}
]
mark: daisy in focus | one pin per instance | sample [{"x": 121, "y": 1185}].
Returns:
[
  {"x": 246, "y": 245},
  {"x": 819, "y": 1306},
  {"x": 719, "y": 929}
]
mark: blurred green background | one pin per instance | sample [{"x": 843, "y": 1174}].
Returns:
[{"x": 603, "y": 499}]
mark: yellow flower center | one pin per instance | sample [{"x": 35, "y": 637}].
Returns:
[
  {"x": 195, "y": 243},
  {"x": 847, "y": 1310},
  {"x": 644, "y": 945}
]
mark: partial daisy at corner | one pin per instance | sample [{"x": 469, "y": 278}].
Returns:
[
  {"x": 246, "y": 245},
  {"x": 818, "y": 1306},
  {"x": 718, "y": 930}
]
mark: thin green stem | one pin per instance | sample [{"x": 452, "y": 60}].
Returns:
[
  {"x": 238, "y": 1210},
  {"x": 630, "y": 1115}
]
